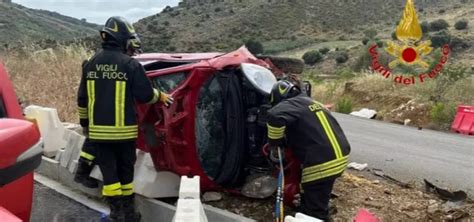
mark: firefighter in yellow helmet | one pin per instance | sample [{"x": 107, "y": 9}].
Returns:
[
  {"x": 112, "y": 81},
  {"x": 305, "y": 126}
]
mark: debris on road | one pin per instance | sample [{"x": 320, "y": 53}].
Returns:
[
  {"x": 380, "y": 173},
  {"x": 365, "y": 113},
  {"x": 365, "y": 216},
  {"x": 445, "y": 194},
  {"x": 211, "y": 196},
  {"x": 358, "y": 166},
  {"x": 260, "y": 187},
  {"x": 411, "y": 114},
  {"x": 358, "y": 190}
]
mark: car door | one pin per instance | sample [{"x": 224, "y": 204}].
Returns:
[{"x": 20, "y": 153}]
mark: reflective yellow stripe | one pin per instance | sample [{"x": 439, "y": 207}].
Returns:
[
  {"x": 127, "y": 186},
  {"x": 127, "y": 192},
  {"x": 114, "y": 131},
  {"x": 275, "y": 132},
  {"x": 330, "y": 134},
  {"x": 156, "y": 96},
  {"x": 87, "y": 156},
  {"x": 91, "y": 94},
  {"x": 82, "y": 112},
  {"x": 276, "y": 129},
  {"x": 323, "y": 174},
  {"x": 127, "y": 189},
  {"x": 120, "y": 103},
  {"x": 325, "y": 166},
  {"x": 112, "y": 136},
  {"x": 115, "y": 135},
  {"x": 100, "y": 127},
  {"x": 112, "y": 190}
]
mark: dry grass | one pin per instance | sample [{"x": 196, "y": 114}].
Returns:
[
  {"x": 48, "y": 77},
  {"x": 372, "y": 91}
]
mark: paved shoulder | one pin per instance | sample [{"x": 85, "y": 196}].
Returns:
[
  {"x": 51, "y": 206},
  {"x": 410, "y": 154}
]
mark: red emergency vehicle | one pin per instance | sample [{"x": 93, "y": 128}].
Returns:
[{"x": 20, "y": 154}]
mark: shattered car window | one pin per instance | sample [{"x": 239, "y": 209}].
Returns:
[
  {"x": 168, "y": 83},
  {"x": 210, "y": 135}
]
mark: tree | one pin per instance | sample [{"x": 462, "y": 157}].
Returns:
[
  {"x": 312, "y": 57},
  {"x": 254, "y": 46},
  {"x": 324, "y": 50},
  {"x": 461, "y": 24},
  {"x": 342, "y": 57},
  {"x": 440, "y": 38},
  {"x": 438, "y": 25}
]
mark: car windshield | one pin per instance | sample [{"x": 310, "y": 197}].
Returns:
[{"x": 210, "y": 133}]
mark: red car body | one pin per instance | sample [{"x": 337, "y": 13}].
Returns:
[
  {"x": 171, "y": 135},
  {"x": 20, "y": 154}
]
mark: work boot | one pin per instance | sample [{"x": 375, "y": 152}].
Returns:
[
  {"x": 116, "y": 209},
  {"x": 84, "y": 168},
  {"x": 129, "y": 209}
]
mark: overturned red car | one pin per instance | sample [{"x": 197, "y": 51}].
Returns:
[{"x": 216, "y": 128}]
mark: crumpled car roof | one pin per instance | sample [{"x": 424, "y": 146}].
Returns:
[{"x": 213, "y": 59}]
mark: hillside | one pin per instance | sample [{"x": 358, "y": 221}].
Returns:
[
  {"x": 18, "y": 24},
  {"x": 280, "y": 25}
]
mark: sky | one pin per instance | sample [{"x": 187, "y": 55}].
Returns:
[{"x": 98, "y": 11}]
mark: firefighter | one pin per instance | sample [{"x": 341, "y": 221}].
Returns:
[
  {"x": 86, "y": 164},
  {"x": 87, "y": 155},
  {"x": 304, "y": 125},
  {"x": 111, "y": 83}
]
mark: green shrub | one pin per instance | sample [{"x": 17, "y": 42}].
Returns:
[
  {"x": 461, "y": 24},
  {"x": 254, "y": 46},
  {"x": 312, "y": 57},
  {"x": 365, "y": 41},
  {"x": 324, "y": 50},
  {"x": 457, "y": 44},
  {"x": 342, "y": 57},
  {"x": 394, "y": 36},
  {"x": 443, "y": 114},
  {"x": 440, "y": 38},
  {"x": 344, "y": 105},
  {"x": 379, "y": 43},
  {"x": 438, "y": 25},
  {"x": 448, "y": 77}
]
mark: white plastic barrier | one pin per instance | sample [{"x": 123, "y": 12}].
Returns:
[
  {"x": 189, "y": 208},
  {"x": 50, "y": 127},
  {"x": 72, "y": 151},
  {"x": 299, "y": 217},
  {"x": 149, "y": 182}
]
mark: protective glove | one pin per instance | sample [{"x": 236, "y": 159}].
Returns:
[
  {"x": 166, "y": 99},
  {"x": 297, "y": 200},
  {"x": 273, "y": 155}
]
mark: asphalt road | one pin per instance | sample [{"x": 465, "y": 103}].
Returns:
[
  {"x": 51, "y": 206},
  {"x": 409, "y": 154}
]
